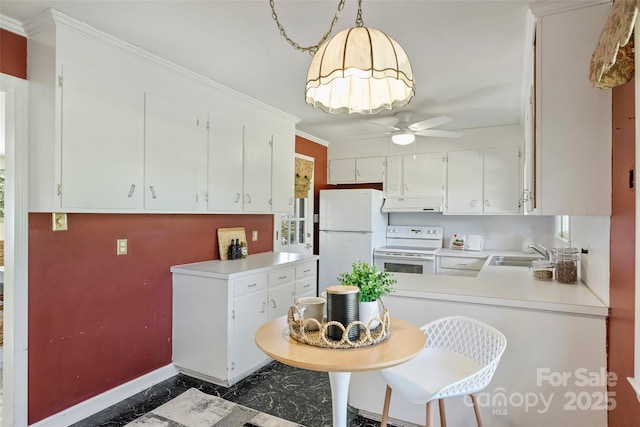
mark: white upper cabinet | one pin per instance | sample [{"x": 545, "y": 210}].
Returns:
[
  {"x": 464, "y": 182},
  {"x": 360, "y": 170},
  {"x": 257, "y": 169},
  {"x": 342, "y": 171},
  {"x": 225, "y": 175},
  {"x": 415, "y": 175},
  {"x": 175, "y": 144},
  {"x": 283, "y": 170},
  {"x": 116, "y": 129},
  {"x": 573, "y": 119},
  {"x": 100, "y": 142},
  {"x": 484, "y": 181},
  {"x": 423, "y": 175}
]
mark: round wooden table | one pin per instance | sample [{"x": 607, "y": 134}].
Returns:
[{"x": 405, "y": 341}]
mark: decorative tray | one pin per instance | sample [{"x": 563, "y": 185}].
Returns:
[{"x": 312, "y": 332}]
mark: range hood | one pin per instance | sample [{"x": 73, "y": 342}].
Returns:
[{"x": 413, "y": 204}]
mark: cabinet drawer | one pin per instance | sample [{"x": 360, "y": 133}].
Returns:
[
  {"x": 249, "y": 284},
  {"x": 457, "y": 272},
  {"x": 282, "y": 275},
  {"x": 306, "y": 285},
  {"x": 306, "y": 269},
  {"x": 462, "y": 263}
]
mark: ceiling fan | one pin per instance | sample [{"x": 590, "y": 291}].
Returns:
[{"x": 403, "y": 132}]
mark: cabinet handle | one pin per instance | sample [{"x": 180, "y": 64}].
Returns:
[
  {"x": 264, "y": 306},
  {"x": 237, "y": 198},
  {"x": 307, "y": 270},
  {"x": 273, "y": 303},
  {"x": 290, "y": 201},
  {"x": 282, "y": 277},
  {"x": 307, "y": 285},
  {"x": 153, "y": 192},
  {"x": 131, "y": 190},
  {"x": 357, "y": 172},
  {"x": 461, "y": 264},
  {"x": 486, "y": 202},
  {"x": 406, "y": 187},
  {"x": 248, "y": 197},
  {"x": 473, "y": 203},
  {"x": 252, "y": 285}
]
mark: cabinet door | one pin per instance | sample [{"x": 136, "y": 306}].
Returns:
[
  {"x": 464, "y": 182},
  {"x": 342, "y": 171},
  {"x": 423, "y": 174},
  {"x": 283, "y": 171},
  {"x": 393, "y": 177},
  {"x": 225, "y": 169},
  {"x": 257, "y": 169},
  {"x": 174, "y": 144},
  {"x": 370, "y": 169},
  {"x": 249, "y": 312},
  {"x": 101, "y": 142},
  {"x": 280, "y": 300},
  {"x": 502, "y": 186}
]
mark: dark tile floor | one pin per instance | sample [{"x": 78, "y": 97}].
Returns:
[{"x": 277, "y": 389}]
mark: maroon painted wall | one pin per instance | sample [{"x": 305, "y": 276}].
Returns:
[
  {"x": 98, "y": 320},
  {"x": 13, "y": 54},
  {"x": 622, "y": 283}
]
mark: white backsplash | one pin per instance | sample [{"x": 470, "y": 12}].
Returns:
[{"x": 500, "y": 232}]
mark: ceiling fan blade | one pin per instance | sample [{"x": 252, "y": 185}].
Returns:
[
  {"x": 430, "y": 123},
  {"x": 439, "y": 133},
  {"x": 387, "y": 122}
]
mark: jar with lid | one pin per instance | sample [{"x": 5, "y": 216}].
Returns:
[
  {"x": 566, "y": 263},
  {"x": 542, "y": 269}
]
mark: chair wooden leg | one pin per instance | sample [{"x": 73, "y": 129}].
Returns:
[
  {"x": 476, "y": 408},
  {"x": 443, "y": 418},
  {"x": 385, "y": 409},
  {"x": 428, "y": 423}
]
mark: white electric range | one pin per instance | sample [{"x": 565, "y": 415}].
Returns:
[{"x": 409, "y": 249}]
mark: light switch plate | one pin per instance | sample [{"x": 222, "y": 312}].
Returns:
[
  {"x": 59, "y": 221},
  {"x": 254, "y": 236}
]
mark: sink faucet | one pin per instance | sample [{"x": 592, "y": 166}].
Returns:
[{"x": 545, "y": 254}]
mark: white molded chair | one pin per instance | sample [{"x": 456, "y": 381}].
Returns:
[{"x": 459, "y": 358}]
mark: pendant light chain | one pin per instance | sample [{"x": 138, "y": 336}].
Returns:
[{"x": 311, "y": 49}]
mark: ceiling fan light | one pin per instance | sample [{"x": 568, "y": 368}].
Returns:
[
  {"x": 403, "y": 138},
  {"x": 360, "y": 70}
]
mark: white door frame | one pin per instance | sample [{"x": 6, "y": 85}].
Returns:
[
  {"x": 15, "y": 349},
  {"x": 308, "y": 225}
]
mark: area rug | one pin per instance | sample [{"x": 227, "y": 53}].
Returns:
[{"x": 194, "y": 408}]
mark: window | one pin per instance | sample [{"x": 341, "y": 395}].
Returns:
[
  {"x": 293, "y": 225},
  {"x": 563, "y": 227}
]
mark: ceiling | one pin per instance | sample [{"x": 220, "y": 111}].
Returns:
[{"x": 468, "y": 56}]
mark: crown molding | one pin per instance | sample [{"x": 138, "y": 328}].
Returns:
[
  {"x": 311, "y": 138},
  {"x": 12, "y": 25},
  {"x": 40, "y": 21},
  {"x": 551, "y": 7}
]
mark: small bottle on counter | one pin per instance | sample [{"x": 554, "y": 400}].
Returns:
[
  {"x": 566, "y": 263},
  {"x": 542, "y": 269},
  {"x": 233, "y": 251},
  {"x": 238, "y": 251},
  {"x": 244, "y": 250}
]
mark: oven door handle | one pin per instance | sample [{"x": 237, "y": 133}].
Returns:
[{"x": 404, "y": 257}]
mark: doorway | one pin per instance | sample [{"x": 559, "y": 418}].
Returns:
[
  {"x": 293, "y": 231},
  {"x": 14, "y": 355}
]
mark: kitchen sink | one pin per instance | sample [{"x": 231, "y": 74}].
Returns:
[{"x": 512, "y": 261}]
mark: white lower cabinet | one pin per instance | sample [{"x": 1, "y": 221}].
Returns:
[
  {"x": 458, "y": 266},
  {"x": 219, "y": 305},
  {"x": 306, "y": 278}
]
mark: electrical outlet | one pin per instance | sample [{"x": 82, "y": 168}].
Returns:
[
  {"x": 59, "y": 221},
  {"x": 121, "y": 248},
  {"x": 254, "y": 236}
]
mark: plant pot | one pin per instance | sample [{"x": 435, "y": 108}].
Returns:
[{"x": 368, "y": 311}]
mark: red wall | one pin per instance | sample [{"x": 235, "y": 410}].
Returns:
[
  {"x": 13, "y": 54},
  {"x": 622, "y": 264},
  {"x": 98, "y": 320}
]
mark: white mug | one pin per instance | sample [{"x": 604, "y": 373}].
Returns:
[{"x": 311, "y": 308}]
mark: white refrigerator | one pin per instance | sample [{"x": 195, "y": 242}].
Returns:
[{"x": 351, "y": 226}]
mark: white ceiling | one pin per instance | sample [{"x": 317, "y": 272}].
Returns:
[{"x": 468, "y": 56}]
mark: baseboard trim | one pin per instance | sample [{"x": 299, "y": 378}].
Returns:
[{"x": 102, "y": 401}]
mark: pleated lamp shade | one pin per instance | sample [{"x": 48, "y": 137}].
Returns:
[{"x": 360, "y": 70}]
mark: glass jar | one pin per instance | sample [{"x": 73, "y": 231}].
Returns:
[
  {"x": 566, "y": 263},
  {"x": 542, "y": 269}
]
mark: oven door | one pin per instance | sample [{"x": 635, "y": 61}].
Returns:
[{"x": 404, "y": 263}]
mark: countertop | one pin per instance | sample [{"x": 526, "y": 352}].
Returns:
[
  {"x": 252, "y": 264},
  {"x": 503, "y": 286}
]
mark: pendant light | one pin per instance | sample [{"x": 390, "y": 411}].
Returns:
[
  {"x": 359, "y": 70},
  {"x": 403, "y": 138}
]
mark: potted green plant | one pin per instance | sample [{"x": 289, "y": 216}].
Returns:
[{"x": 373, "y": 284}]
